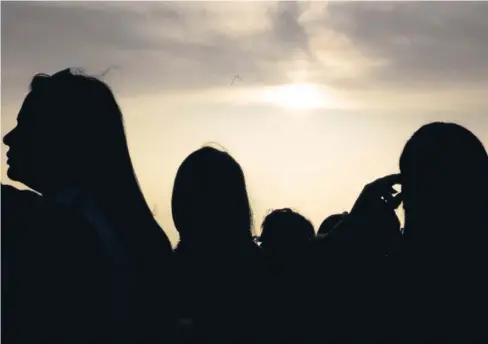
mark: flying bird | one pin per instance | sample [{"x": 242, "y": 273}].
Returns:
[{"x": 236, "y": 78}]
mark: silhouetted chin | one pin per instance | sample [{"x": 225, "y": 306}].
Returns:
[
  {"x": 14, "y": 175},
  {"x": 11, "y": 173}
]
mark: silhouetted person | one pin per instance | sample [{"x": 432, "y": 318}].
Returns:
[
  {"x": 371, "y": 228},
  {"x": 285, "y": 239},
  {"x": 70, "y": 146},
  {"x": 353, "y": 264},
  {"x": 444, "y": 183},
  {"x": 330, "y": 222},
  {"x": 285, "y": 233},
  {"x": 439, "y": 288},
  {"x": 217, "y": 260}
]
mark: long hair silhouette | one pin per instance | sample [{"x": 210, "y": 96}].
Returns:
[
  {"x": 81, "y": 115},
  {"x": 444, "y": 182},
  {"x": 70, "y": 135},
  {"x": 444, "y": 172},
  {"x": 218, "y": 263},
  {"x": 210, "y": 204}
]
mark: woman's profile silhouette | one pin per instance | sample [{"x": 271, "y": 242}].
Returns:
[{"x": 70, "y": 146}]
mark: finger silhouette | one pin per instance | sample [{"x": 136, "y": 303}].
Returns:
[
  {"x": 397, "y": 200},
  {"x": 393, "y": 201},
  {"x": 388, "y": 181},
  {"x": 384, "y": 185}
]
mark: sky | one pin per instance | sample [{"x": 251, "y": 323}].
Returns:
[{"x": 326, "y": 96}]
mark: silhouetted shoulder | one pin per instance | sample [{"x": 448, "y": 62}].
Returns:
[
  {"x": 27, "y": 212},
  {"x": 51, "y": 265},
  {"x": 20, "y": 213},
  {"x": 12, "y": 197}
]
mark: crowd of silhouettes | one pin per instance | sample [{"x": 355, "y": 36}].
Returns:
[{"x": 84, "y": 261}]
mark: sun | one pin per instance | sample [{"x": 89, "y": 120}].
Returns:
[{"x": 295, "y": 96}]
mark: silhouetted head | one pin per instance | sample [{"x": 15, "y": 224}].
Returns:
[
  {"x": 70, "y": 133},
  {"x": 444, "y": 171},
  {"x": 210, "y": 204},
  {"x": 330, "y": 222},
  {"x": 284, "y": 230}
]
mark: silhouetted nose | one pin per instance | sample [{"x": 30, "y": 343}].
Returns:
[{"x": 7, "y": 139}]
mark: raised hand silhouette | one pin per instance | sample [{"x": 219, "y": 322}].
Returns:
[
  {"x": 372, "y": 222},
  {"x": 377, "y": 200}
]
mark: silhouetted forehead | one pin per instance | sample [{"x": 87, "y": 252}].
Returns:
[
  {"x": 27, "y": 110},
  {"x": 41, "y": 107}
]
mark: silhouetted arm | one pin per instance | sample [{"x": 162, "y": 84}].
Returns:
[{"x": 372, "y": 220}]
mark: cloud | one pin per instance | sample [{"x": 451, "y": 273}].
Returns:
[
  {"x": 158, "y": 46},
  {"x": 287, "y": 28},
  {"x": 424, "y": 43},
  {"x": 164, "y": 47}
]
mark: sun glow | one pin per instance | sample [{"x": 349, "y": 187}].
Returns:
[{"x": 295, "y": 96}]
